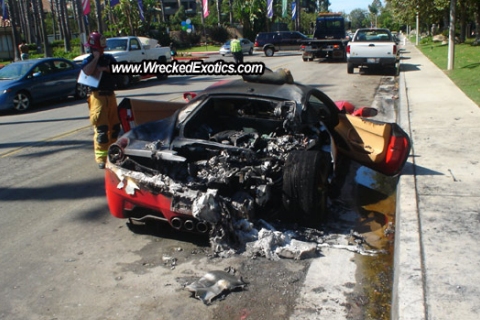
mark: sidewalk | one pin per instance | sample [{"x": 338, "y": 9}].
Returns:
[{"x": 437, "y": 256}]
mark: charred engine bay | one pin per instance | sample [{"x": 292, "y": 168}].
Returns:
[{"x": 221, "y": 177}]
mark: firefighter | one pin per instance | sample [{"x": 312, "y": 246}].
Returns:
[
  {"x": 236, "y": 50},
  {"x": 102, "y": 102}
]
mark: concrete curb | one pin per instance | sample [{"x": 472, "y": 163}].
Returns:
[{"x": 408, "y": 298}]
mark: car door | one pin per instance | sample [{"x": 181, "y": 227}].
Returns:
[
  {"x": 65, "y": 75},
  {"x": 43, "y": 83},
  {"x": 137, "y": 53},
  {"x": 293, "y": 40},
  {"x": 246, "y": 45},
  {"x": 381, "y": 146}
]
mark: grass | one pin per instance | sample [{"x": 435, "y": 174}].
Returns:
[
  {"x": 466, "y": 71},
  {"x": 200, "y": 49}
]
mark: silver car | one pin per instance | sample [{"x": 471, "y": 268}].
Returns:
[{"x": 247, "y": 47}]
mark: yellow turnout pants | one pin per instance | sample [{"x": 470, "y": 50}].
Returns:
[{"x": 104, "y": 118}]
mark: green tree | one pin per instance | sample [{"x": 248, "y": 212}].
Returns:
[
  {"x": 252, "y": 15},
  {"x": 358, "y": 18},
  {"x": 374, "y": 9}
]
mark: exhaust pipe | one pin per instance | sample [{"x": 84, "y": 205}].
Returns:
[
  {"x": 202, "y": 227},
  {"x": 189, "y": 225},
  {"x": 176, "y": 223}
]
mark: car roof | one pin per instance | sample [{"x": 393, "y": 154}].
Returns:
[
  {"x": 285, "y": 91},
  {"x": 38, "y": 60}
]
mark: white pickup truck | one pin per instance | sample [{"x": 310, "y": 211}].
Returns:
[
  {"x": 134, "y": 49},
  {"x": 372, "y": 48}
]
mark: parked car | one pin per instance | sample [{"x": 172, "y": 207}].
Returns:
[
  {"x": 247, "y": 47},
  {"x": 134, "y": 49},
  {"x": 242, "y": 149},
  {"x": 271, "y": 42},
  {"x": 373, "y": 48},
  {"x": 24, "y": 83}
]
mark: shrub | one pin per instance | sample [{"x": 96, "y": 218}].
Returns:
[{"x": 219, "y": 34}]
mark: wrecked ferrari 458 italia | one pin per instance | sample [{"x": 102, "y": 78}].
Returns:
[{"x": 239, "y": 150}]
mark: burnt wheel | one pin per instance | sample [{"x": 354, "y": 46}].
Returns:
[{"x": 305, "y": 186}]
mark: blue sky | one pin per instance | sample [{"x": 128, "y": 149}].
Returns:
[{"x": 349, "y": 5}]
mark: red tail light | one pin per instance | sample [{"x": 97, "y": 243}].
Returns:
[
  {"x": 348, "y": 49},
  {"x": 397, "y": 153},
  {"x": 394, "y": 49},
  {"x": 126, "y": 118},
  {"x": 256, "y": 44}
]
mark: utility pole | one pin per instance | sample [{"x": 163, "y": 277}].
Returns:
[
  {"x": 418, "y": 27},
  {"x": 451, "y": 37}
]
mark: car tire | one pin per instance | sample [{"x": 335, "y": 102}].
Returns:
[
  {"x": 162, "y": 60},
  {"x": 269, "y": 52},
  {"x": 81, "y": 91},
  {"x": 350, "y": 68},
  {"x": 396, "y": 69},
  {"x": 305, "y": 186},
  {"x": 250, "y": 52},
  {"x": 22, "y": 101},
  {"x": 125, "y": 81}
]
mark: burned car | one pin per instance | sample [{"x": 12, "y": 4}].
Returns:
[{"x": 240, "y": 150}]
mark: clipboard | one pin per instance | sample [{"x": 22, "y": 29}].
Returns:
[{"x": 89, "y": 81}]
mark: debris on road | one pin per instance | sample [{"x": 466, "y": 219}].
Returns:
[
  {"x": 275, "y": 245},
  {"x": 214, "y": 283}
]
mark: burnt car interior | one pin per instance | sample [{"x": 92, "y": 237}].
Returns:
[{"x": 222, "y": 114}]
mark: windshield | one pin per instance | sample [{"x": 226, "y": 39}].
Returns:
[
  {"x": 15, "y": 70},
  {"x": 116, "y": 44},
  {"x": 330, "y": 27}
]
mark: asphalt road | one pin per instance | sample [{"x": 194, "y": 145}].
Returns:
[{"x": 63, "y": 256}]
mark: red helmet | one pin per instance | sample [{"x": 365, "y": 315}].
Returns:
[{"x": 96, "y": 41}]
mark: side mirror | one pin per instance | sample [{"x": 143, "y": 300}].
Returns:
[{"x": 365, "y": 112}]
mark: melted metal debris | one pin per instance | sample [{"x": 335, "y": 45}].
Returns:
[
  {"x": 213, "y": 284},
  {"x": 356, "y": 243}
]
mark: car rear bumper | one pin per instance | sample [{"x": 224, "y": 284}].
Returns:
[
  {"x": 140, "y": 204},
  {"x": 372, "y": 61}
]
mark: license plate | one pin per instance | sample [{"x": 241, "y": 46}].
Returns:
[
  {"x": 373, "y": 60},
  {"x": 308, "y": 48}
]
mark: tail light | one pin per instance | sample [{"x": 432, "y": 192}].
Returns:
[
  {"x": 348, "y": 49},
  {"x": 398, "y": 150},
  {"x": 395, "y": 49},
  {"x": 256, "y": 44},
  {"x": 336, "y": 46}
]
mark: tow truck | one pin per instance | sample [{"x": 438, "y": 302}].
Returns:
[{"x": 329, "y": 39}]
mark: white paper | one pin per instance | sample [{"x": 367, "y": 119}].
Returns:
[{"x": 90, "y": 81}]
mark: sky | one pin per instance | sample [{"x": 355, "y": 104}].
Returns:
[{"x": 349, "y": 5}]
